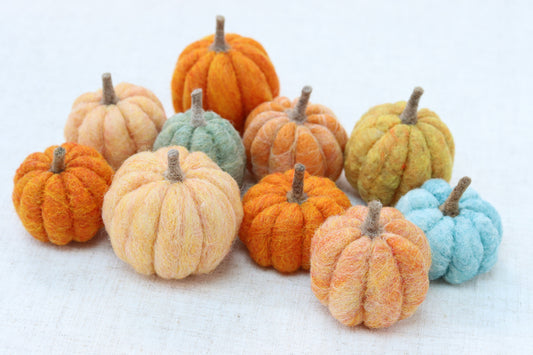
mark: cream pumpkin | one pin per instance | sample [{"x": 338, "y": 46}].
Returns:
[
  {"x": 118, "y": 122},
  {"x": 172, "y": 213}
]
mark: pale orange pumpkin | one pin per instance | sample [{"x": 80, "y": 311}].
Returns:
[
  {"x": 117, "y": 122},
  {"x": 279, "y": 134}
]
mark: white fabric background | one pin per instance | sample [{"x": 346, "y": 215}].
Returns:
[{"x": 474, "y": 60}]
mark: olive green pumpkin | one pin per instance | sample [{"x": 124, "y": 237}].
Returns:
[
  {"x": 395, "y": 148},
  {"x": 205, "y": 131}
]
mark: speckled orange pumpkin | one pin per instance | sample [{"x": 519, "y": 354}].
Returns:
[
  {"x": 118, "y": 122},
  {"x": 58, "y": 194},
  {"x": 370, "y": 266},
  {"x": 281, "y": 214},
  {"x": 234, "y": 72},
  {"x": 279, "y": 134}
]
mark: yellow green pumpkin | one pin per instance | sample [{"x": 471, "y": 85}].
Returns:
[{"x": 395, "y": 148}]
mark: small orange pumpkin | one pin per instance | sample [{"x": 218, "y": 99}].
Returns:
[
  {"x": 279, "y": 221},
  {"x": 118, "y": 122},
  {"x": 279, "y": 134},
  {"x": 58, "y": 194},
  {"x": 370, "y": 266},
  {"x": 234, "y": 72}
]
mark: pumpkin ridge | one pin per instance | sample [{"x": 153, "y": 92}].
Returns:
[
  {"x": 201, "y": 218},
  {"x": 187, "y": 96},
  {"x": 271, "y": 89},
  {"x": 239, "y": 85},
  {"x": 452, "y": 249},
  {"x": 128, "y": 130},
  {"x": 53, "y": 196},
  {"x": 320, "y": 149},
  {"x": 40, "y": 205},
  {"x": 23, "y": 180},
  {"x": 266, "y": 211},
  {"x": 132, "y": 101},
  {"x": 405, "y": 163},
  {"x": 383, "y": 161},
  {"x": 93, "y": 176},
  {"x": 435, "y": 132},
  {"x": 270, "y": 145},
  {"x": 289, "y": 151},
  {"x": 385, "y": 239}
]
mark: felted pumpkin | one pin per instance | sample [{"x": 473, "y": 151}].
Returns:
[
  {"x": 207, "y": 132},
  {"x": 234, "y": 72},
  {"x": 58, "y": 194},
  {"x": 463, "y": 230},
  {"x": 281, "y": 214},
  {"x": 279, "y": 134},
  {"x": 370, "y": 266},
  {"x": 118, "y": 122},
  {"x": 172, "y": 213},
  {"x": 395, "y": 148}
]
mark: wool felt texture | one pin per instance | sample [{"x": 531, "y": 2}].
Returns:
[
  {"x": 234, "y": 72},
  {"x": 279, "y": 134},
  {"x": 205, "y": 131},
  {"x": 370, "y": 266},
  {"x": 462, "y": 246},
  {"x": 172, "y": 213},
  {"x": 58, "y": 194},
  {"x": 281, "y": 214},
  {"x": 395, "y": 148},
  {"x": 118, "y": 122}
]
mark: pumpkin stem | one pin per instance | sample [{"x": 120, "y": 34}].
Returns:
[
  {"x": 409, "y": 114},
  {"x": 58, "y": 163},
  {"x": 450, "y": 207},
  {"x": 108, "y": 93},
  {"x": 298, "y": 113},
  {"x": 174, "y": 172},
  {"x": 370, "y": 226},
  {"x": 220, "y": 44},
  {"x": 297, "y": 194},
  {"x": 197, "y": 119}
]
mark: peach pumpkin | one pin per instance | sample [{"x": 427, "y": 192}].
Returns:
[
  {"x": 281, "y": 214},
  {"x": 58, "y": 194},
  {"x": 172, "y": 213},
  {"x": 370, "y": 266},
  {"x": 118, "y": 122},
  {"x": 234, "y": 72},
  {"x": 279, "y": 134}
]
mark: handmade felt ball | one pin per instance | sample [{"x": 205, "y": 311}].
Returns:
[
  {"x": 370, "y": 266},
  {"x": 463, "y": 230},
  {"x": 205, "y": 131},
  {"x": 172, "y": 213},
  {"x": 281, "y": 214},
  {"x": 279, "y": 134},
  {"x": 234, "y": 72},
  {"x": 118, "y": 122},
  {"x": 395, "y": 148},
  {"x": 58, "y": 194}
]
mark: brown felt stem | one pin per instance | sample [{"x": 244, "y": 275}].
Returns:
[
  {"x": 197, "y": 118},
  {"x": 297, "y": 193},
  {"x": 58, "y": 163},
  {"x": 108, "y": 92},
  {"x": 298, "y": 114},
  {"x": 409, "y": 114},
  {"x": 450, "y": 207},
  {"x": 220, "y": 44},
  {"x": 174, "y": 172},
  {"x": 370, "y": 226}
]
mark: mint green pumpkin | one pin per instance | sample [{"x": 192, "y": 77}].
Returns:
[{"x": 205, "y": 131}]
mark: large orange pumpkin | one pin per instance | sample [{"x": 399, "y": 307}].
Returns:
[
  {"x": 58, "y": 194},
  {"x": 281, "y": 214},
  {"x": 370, "y": 266},
  {"x": 234, "y": 72},
  {"x": 279, "y": 134}
]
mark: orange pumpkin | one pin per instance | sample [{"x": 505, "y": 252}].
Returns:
[
  {"x": 234, "y": 72},
  {"x": 370, "y": 266},
  {"x": 279, "y": 134},
  {"x": 281, "y": 214},
  {"x": 58, "y": 194},
  {"x": 118, "y": 122}
]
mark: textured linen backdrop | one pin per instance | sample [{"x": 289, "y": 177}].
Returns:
[{"x": 474, "y": 60}]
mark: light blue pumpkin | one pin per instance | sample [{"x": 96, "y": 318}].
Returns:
[
  {"x": 205, "y": 131},
  {"x": 463, "y": 230}
]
